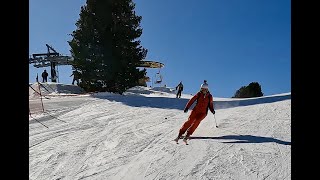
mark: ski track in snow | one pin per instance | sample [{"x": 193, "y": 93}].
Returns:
[{"x": 102, "y": 139}]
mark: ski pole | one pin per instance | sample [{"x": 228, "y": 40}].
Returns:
[{"x": 215, "y": 120}]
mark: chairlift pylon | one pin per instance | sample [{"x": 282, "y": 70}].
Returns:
[{"x": 50, "y": 59}]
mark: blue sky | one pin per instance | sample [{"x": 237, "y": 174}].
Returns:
[{"x": 229, "y": 43}]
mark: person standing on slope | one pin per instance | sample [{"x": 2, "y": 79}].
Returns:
[
  {"x": 75, "y": 75},
  {"x": 44, "y": 76},
  {"x": 179, "y": 87},
  {"x": 199, "y": 112}
]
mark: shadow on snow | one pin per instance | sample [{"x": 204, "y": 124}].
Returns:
[
  {"x": 246, "y": 139},
  {"x": 174, "y": 103}
]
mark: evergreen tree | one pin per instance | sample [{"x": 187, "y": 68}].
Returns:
[
  {"x": 242, "y": 92},
  {"x": 252, "y": 90},
  {"x": 105, "y": 46},
  {"x": 255, "y": 89}
]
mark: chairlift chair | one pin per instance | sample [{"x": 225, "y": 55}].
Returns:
[{"x": 158, "y": 78}]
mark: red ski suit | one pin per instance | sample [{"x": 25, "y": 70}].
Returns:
[{"x": 199, "y": 112}]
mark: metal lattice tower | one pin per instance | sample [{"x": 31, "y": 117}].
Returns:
[{"x": 52, "y": 58}]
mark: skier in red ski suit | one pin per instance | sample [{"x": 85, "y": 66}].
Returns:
[{"x": 199, "y": 112}]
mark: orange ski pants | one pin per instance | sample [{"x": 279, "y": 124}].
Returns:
[{"x": 192, "y": 123}]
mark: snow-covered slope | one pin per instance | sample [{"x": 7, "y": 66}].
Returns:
[
  {"x": 50, "y": 88},
  {"x": 108, "y": 136}
]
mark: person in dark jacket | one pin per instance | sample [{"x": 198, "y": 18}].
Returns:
[
  {"x": 179, "y": 87},
  {"x": 204, "y": 101},
  {"x": 44, "y": 76},
  {"x": 75, "y": 75}
]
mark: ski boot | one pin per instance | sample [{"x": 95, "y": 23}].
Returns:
[
  {"x": 177, "y": 139},
  {"x": 185, "y": 139}
]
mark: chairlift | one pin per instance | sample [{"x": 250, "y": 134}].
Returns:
[
  {"x": 158, "y": 78},
  {"x": 152, "y": 64}
]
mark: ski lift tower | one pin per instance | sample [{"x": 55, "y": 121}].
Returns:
[
  {"x": 52, "y": 58},
  {"x": 152, "y": 64}
]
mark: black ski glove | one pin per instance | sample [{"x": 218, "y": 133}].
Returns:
[{"x": 185, "y": 110}]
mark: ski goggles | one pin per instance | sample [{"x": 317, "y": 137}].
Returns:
[{"x": 204, "y": 89}]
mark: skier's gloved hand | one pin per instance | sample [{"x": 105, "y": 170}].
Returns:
[
  {"x": 185, "y": 110},
  {"x": 213, "y": 111}
]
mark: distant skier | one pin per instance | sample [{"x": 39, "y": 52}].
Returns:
[
  {"x": 44, "y": 76},
  {"x": 204, "y": 102},
  {"x": 179, "y": 87},
  {"x": 75, "y": 75}
]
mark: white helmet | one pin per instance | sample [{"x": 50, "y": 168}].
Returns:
[{"x": 204, "y": 86}]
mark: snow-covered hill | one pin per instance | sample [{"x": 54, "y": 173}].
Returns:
[{"x": 109, "y": 136}]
